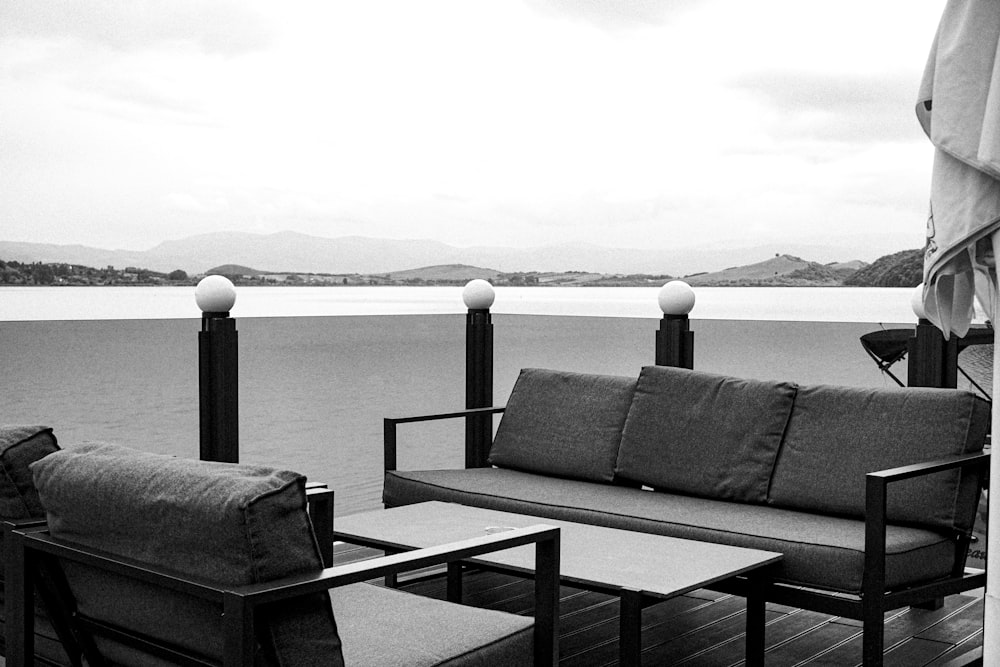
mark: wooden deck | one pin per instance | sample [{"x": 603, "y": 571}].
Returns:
[{"x": 706, "y": 628}]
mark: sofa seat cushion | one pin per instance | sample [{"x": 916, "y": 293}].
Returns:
[
  {"x": 820, "y": 551},
  {"x": 565, "y": 424},
  {"x": 380, "y": 626},
  {"x": 226, "y": 524},
  {"x": 836, "y": 435},
  {"x": 704, "y": 434}
]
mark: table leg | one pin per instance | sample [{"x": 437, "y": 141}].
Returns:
[
  {"x": 630, "y": 628},
  {"x": 755, "y": 633},
  {"x": 455, "y": 582}
]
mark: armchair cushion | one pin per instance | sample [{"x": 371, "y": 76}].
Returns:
[
  {"x": 564, "y": 424},
  {"x": 899, "y": 427},
  {"x": 382, "y": 627},
  {"x": 704, "y": 434},
  {"x": 225, "y": 523}
]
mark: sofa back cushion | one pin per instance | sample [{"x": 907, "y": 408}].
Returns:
[
  {"x": 226, "y": 524},
  {"x": 704, "y": 434},
  {"x": 564, "y": 424},
  {"x": 839, "y": 434}
]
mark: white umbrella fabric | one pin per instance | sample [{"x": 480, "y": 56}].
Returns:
[{"x": 959, "y": 109}]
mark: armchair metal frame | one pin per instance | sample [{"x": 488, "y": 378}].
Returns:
[
  {"x": 34, "y": 565},
  {"x": 875, "y": 599}
]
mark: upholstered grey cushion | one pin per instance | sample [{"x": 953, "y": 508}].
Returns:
[
  {"x": 819, "y": 551},
  {"x": 20, "y": 446},
  {"x": 838, "y": 434},
  {"x": 384, "y": 627},
  {"x": 225, "y": 523},
  {"x": 704, "y": 434},
  {"x": 566, "y": 424}
]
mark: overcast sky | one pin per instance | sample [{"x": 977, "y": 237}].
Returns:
[{"x": 627, "y": 123}]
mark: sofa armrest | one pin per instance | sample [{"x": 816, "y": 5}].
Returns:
[
  {"x": 876, "y": 494},
  {"x": 389, "y": 428}
]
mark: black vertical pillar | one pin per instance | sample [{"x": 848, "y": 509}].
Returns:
[
  {"x": 932, "y": 360},
  {"x": 675, "y": 342},
  {"x": 218, "y": 388},
  {"x": 674, "y": 339},
  {"x": 478, "y": 385}
]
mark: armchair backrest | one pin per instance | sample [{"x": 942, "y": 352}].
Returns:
[{"x": 225, "y": 524}]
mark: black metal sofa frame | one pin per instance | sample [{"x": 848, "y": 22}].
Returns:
[{"x": 875, "y": 597}]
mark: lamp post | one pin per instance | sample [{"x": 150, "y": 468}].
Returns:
[
  {"x": 674, "y": 339},
  {"x": 217, "y": 371},
  {"x": 478, "y": 296},
  {"x": 932, "y": 360}
]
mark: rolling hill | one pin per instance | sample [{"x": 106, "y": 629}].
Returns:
[{"x": 778, "y": 270}]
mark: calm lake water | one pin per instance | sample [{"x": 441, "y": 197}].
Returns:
[
  {"x": 314, "y": 389},
  {"x": 798, "y": 304}
]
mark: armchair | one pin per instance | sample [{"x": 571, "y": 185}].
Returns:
[{"x": 217, "y": 564}]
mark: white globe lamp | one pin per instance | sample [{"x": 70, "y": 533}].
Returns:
[
  {"x": 215, "y": 294},
  {"x": 676, "y": 298},
  {"x": 478, "y": 294}
]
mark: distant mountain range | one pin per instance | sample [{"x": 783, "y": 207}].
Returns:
[
  {"x": 294, "y": 252},
  {"x": 901, "y": 269},
  {"x": 781, "y": 270}
]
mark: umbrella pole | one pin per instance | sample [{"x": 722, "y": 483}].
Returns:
[{"x": 991, "y": 621}]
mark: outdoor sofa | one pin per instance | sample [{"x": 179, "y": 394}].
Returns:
[
  {"x": 869, "y": 493},
  {"x": 146, "y": 559}
]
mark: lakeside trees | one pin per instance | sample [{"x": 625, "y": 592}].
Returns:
[{"x": 55, "y": 273}]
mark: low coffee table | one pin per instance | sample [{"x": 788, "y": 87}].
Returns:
[{"x": 638, "y": 567}]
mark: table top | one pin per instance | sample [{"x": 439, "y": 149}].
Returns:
[{"x": 597, "y": 558}]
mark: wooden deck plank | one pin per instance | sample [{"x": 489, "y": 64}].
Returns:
[
  {"x": 662, "y": 624},
  {"x": 965, "y": 623},
  {"x": 974, "y": 642},
  {"x": 600, "y": 634},
  {"x": 721, "y": 643},
  {"x": 914, "y": 651},
  {"x": 810, "y": 646}
]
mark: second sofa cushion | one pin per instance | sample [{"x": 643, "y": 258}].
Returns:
[
  {"x": 565, "y": 424},
  {"x": 704, "y": 434}
]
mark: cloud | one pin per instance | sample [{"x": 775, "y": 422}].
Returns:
[
  {"x": 861, "y": 108},
  {"x": 225, "y": 28},
  {"x": 613, "y": 14},
  {"x": 188, "y": 203}
]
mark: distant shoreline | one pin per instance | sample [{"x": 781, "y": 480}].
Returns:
[{"x": 434, "y": 284}]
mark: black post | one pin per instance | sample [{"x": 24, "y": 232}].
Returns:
[
  {"x": 674, "y": 339},
  {"x": 675, "y": 342},
  {"x": 933, "y": 361},
  {"x": 478, "y": 385},
  {"x": 218, "y": 388}
]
